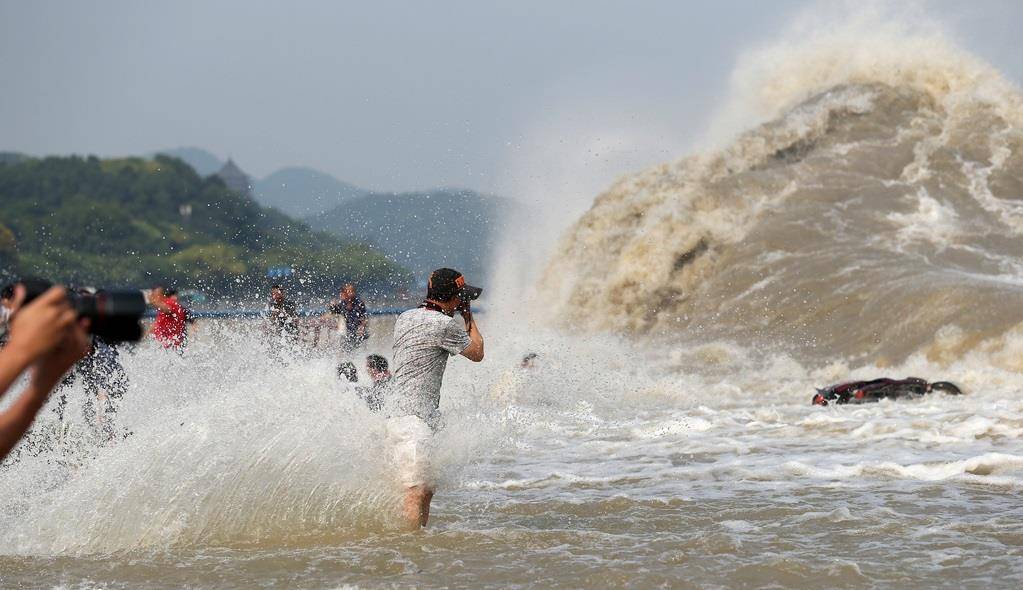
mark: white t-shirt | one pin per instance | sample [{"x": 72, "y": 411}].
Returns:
[{"x": 423, "y": 341}]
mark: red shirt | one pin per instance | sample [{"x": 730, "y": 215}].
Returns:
[{"x": 169, "y": 327}]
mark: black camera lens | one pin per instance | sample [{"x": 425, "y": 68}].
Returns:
[{"x": 113, "y": 316}]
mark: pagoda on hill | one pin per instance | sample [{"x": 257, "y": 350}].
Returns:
[{"x": 235, "y": 179}]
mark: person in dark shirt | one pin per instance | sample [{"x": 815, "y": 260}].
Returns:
[
  {"x": 281, "y": 317},
  {"x": 356, "y": 320},
  {"x": 105, "y": 383}
]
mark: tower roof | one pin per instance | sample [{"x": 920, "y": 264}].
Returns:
[{"x": 235, "y": 178}]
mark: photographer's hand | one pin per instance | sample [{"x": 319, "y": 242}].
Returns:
[
  {"x": 40, "y": 326},
  {"x": 52, "y": 366},
  {"x": 48, "y": 334},
  {"x": 474, "y": 352}
]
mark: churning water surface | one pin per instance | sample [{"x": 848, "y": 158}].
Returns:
[{"x": 606, "y": 464}]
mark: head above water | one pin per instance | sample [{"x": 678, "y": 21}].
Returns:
[
  {"x": 277, "y": 293},
  {"x": 347, "y": 291},
  {"x": 164, "y": 291},
  {"x": 446, "y": 284},
  {"x": 346, "y": 370},
  {"x": 376, "y": 366}
]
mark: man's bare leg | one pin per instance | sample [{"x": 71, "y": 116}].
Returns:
[{"x": 417, "y": 505}]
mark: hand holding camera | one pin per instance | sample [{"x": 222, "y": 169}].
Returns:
[
  {"x": 113, "y": 315},
  {"x": 39, "y": 326},
  {"x": 465, "y": 308},
  {"x": 48, "y": 333}
]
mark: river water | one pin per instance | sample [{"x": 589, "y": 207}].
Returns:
[{"x": 604, "y": 465}]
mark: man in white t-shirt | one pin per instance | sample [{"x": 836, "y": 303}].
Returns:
[{"x": 424, "y": 338}]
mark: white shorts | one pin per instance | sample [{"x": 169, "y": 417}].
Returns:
[{"x": 411, "y": 441}]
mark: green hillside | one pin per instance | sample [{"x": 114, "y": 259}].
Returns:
[
  {"x": 133, "y": 222},
  {"x": 426, "y": 230},
  {"x": 12, "y": 157}
]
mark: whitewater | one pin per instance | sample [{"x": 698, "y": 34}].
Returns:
[{"x": 865, "y": 220}]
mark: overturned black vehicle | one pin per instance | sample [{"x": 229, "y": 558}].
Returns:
[{"x": 861, "y": 392}]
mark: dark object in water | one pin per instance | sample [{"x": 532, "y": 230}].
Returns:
[
  {"x": 347, "y": 371},
  {"x": 114, "y": 315},
  {"x": 861, "y": 392}
]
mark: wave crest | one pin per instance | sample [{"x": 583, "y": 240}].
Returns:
[{"x": 876, "y": 211}]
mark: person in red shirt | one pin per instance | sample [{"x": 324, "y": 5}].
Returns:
[{"x": 169, "y": 327}]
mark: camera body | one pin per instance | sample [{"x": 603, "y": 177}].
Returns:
[
  {"x": 115, "y": 316},
  {"x": 465, "y": 299}
]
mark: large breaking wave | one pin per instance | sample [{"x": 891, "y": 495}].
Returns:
[{"x": 878, "y": 212}]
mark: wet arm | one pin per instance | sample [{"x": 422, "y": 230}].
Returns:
[
  {"x": 17, "y": 419},
  {"x": 49, "y": 369},
  {"x": 473, "y": 352},
  {"x": 13, "y": 363}
]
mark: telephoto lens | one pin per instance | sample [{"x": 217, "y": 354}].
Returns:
[{"x": 115, "y": 316}]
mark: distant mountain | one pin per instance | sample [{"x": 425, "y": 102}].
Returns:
[
  {"x": 419, "y": 230},
  {"x": 296, "y": 190},
  {"x": 302, "y": 192},
  {"x": 202, "y": 161},
  {"x": 425, "y": 230}
]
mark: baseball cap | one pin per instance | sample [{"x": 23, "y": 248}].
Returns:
[{"x": 445, "y": 283}]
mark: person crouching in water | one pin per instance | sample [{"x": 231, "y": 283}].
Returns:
[
  {"x": 376, "y": 395},
  {"x": 424, "y": 338},
  {"x": 378, "y": 370}
]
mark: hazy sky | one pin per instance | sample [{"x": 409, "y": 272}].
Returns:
[{"x": 512, "y": 97}]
